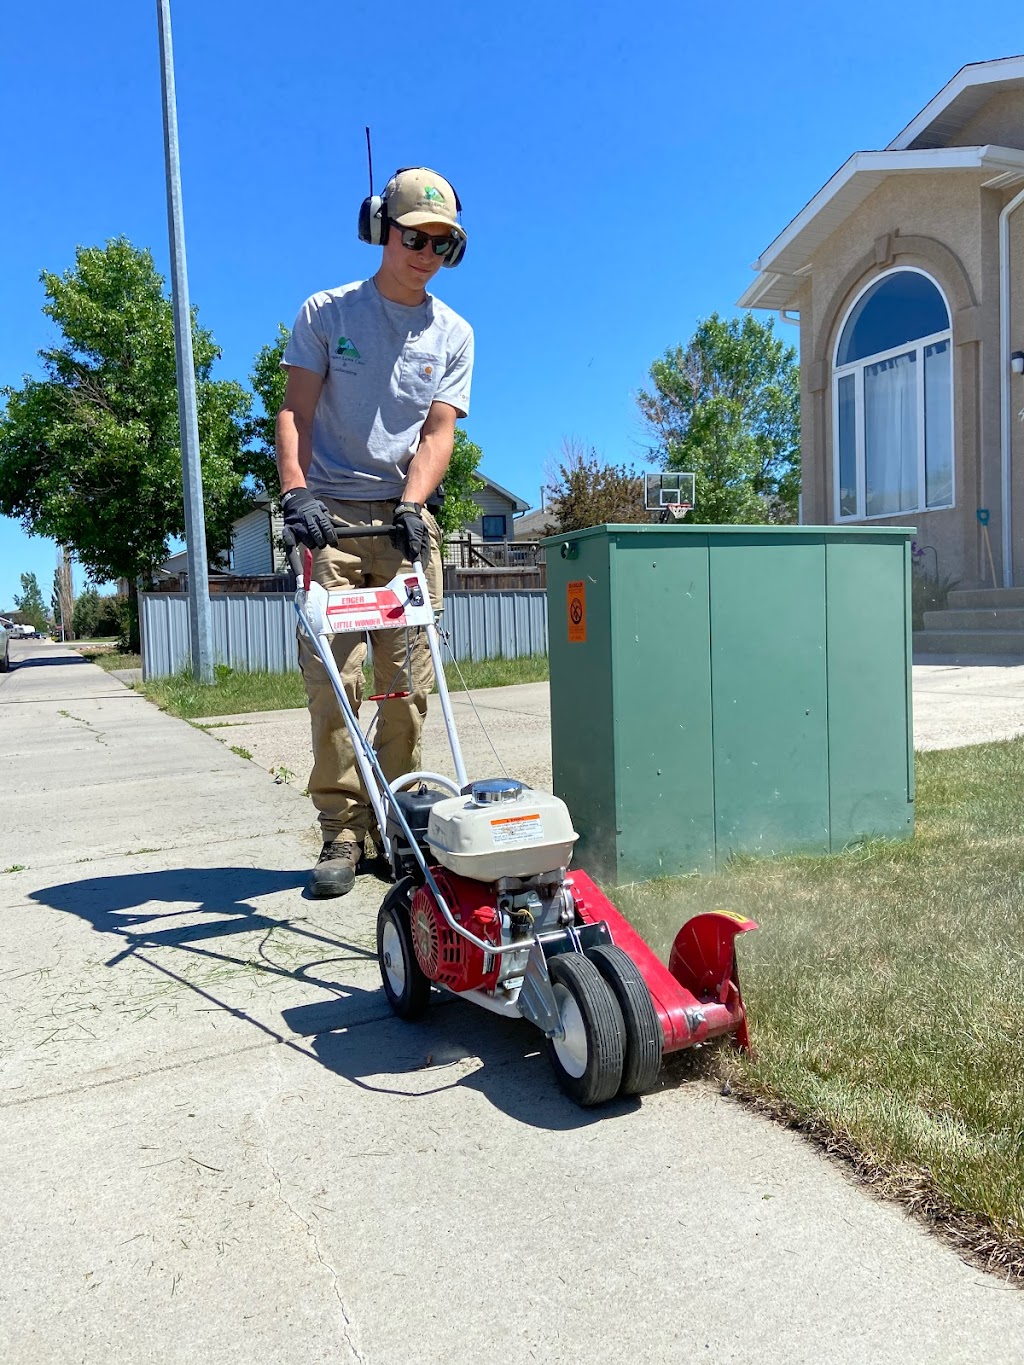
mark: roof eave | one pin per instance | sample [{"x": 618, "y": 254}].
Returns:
[{"x": 777, "y": 266}]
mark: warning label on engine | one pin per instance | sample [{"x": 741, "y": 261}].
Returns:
[
  {"x": 517, "y": 829},
  {"x": 576, "y": 604}
]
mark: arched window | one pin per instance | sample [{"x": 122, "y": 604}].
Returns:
[{"x": 893, "y": 400}]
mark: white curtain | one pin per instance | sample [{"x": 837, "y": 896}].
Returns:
[{"x": 890, "y": 435}]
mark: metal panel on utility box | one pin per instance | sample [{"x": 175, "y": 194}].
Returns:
[{"x": 718, "y": 690}]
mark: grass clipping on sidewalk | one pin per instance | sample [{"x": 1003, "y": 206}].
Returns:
[{"x": 885, "y": 995}]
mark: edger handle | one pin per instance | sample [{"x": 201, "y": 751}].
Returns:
[{"x": 342, "y": 530}]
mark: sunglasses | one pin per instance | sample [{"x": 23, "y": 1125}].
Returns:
[{"x": 415, "y": 240}]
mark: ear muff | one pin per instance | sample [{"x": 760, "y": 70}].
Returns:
[
  {"x": 374, "y": 223},
  {"x": 455, "y": 256}
]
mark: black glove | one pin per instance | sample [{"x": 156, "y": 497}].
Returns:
[
  {"x": 308, "y": 519},
  {"x": 410, "y": 532}
]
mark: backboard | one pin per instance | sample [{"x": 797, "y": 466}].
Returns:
[{"x": 672, "y": 494}]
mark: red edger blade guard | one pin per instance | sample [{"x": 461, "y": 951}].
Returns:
[{"x": 697, "y": 996}]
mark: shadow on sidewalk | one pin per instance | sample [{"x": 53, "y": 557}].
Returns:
[
  {"x": 389, "y": 1058},
  {"x": 127, "y": 908},
  {"x": 47, "y": 661},
  {"x": 422, "y": 1059}
]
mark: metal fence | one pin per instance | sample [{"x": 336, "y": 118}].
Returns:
[{"x": 256, "y": 631}]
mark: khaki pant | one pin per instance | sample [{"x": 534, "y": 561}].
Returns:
[{"x": 335, "y": 784}]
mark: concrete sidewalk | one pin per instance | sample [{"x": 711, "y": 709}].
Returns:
[{"x": 219, "y": 1146}]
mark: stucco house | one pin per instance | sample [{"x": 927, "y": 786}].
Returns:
[{"x": 905, "y": 274}]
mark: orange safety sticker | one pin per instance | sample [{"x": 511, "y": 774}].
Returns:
[{"x": 576, "y": 602}]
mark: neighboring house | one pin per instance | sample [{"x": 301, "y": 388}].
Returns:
[
  {"x": 256, "y": 538},
  {"x": 534, "y": 525},
  {"x": 255, "y": 547},
  {"x": 498, "y": 508},
  {"x": 256, "y": 541},
  {"x": 907, "y": 272}
]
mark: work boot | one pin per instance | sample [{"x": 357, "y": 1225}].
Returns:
[{"x": 335, "y": 871}]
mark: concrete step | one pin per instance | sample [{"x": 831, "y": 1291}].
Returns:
[
  {"x": 997, "y": 643},
  {"x": 995, "y": 598},
  {"x": 963, "y": 619}
]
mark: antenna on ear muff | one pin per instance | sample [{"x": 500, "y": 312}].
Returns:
[{"x": 373, "y": 222}]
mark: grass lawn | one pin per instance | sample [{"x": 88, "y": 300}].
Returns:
[
  {"x": 234, "y": 693},
  {"x": 885, "y": 992},
  {"x": 108, "y": 658}
]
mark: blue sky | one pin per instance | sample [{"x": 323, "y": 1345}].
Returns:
[{"x": 619, "y": 169}]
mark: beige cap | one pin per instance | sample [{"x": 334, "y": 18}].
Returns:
[{"x": 419, "y": 196}]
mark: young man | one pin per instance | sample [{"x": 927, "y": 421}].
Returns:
[{"x": 378, "y": 372}]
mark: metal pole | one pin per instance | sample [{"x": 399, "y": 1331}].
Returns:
[{"x": 200, "y": 618}]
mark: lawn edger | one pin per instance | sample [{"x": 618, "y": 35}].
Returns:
[{"x": 485, "y": 907}]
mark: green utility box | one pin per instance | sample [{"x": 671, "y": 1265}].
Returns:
[{"x": 729, "y": 689}]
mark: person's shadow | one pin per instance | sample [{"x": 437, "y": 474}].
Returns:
[{"x": 388, "y": 1056}]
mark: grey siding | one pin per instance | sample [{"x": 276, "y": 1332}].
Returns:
[
  {"x": 491, "y": 504},
  {"x": 256, "y": 631},
  {"x": 250, "y": 544}
]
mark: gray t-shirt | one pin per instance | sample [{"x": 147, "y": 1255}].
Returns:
[{"x": 383, "y": 364}]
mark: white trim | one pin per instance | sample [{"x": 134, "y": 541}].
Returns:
[
  {"x": 918, "y": 346},
  {"x": 877, "y": 356},
  {"x": 1005, "y": 471},
  {"x": 851, "y": 185},
  {"x": 999, "y": 72}
]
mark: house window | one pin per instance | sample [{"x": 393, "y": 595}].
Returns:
[
  {"x": 494, "y": 528},
  {"x": 893, "y": 400}
]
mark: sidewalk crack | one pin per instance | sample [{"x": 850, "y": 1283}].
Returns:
[{"x": 346, "y": 1327}]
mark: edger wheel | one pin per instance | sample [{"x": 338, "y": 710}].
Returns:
[
  {"x": 406, "y": 987},
  {"x": 588, "y": 1060},
  {"x": 644, "y": 1038}
]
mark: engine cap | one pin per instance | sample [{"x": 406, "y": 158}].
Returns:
[{"x": 493, "y": 790}]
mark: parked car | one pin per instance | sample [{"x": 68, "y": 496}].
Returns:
[{"x": 5, "y": 646}]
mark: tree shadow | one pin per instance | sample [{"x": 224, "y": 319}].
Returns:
[
  {"x": 45, "y": 661},
  {"x": 124, "y": 907}
]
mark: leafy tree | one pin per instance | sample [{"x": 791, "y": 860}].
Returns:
[
  {"x": 727, "y": 407},
  {"x": 63, "y": 599},
  {"x": 30, "y": 602},
  {"x": 460, "y": 483},
  {"x": 587, "y": 492},
  {"x": 90, "y": 454},
  {"x": 268, "y": 381},
  {"x": 86, "y": 618}
]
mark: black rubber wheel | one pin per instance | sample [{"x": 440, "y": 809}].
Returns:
[
  {"x": 644, "y": 1038},
  {"x": 406, "y": 987},
  {"x": 588, "y": 1060}
]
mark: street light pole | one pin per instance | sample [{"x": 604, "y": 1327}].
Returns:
[{"x": 200, "y": 617}]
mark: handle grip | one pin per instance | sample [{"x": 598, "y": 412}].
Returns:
[{"x": 341, "y": 529}]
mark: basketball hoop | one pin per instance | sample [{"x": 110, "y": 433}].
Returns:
[{"x": 670, "y": 495}]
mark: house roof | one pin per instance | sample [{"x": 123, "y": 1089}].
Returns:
[
  {"x": 945, "y": 117},
  {"x": 534, "y": 525},
  {"x": 520, "y": 505},
  {"x": 782, "y": 266}
]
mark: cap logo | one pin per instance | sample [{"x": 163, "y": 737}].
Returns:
[
  {"x": 432, "y": 194},
  {"x": 347, "y": 349}
]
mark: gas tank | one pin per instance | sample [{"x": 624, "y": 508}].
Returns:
[{"x": 501, "y": 828}]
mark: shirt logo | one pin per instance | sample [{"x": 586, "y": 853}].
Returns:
[{"x": 347, "y": 349}]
